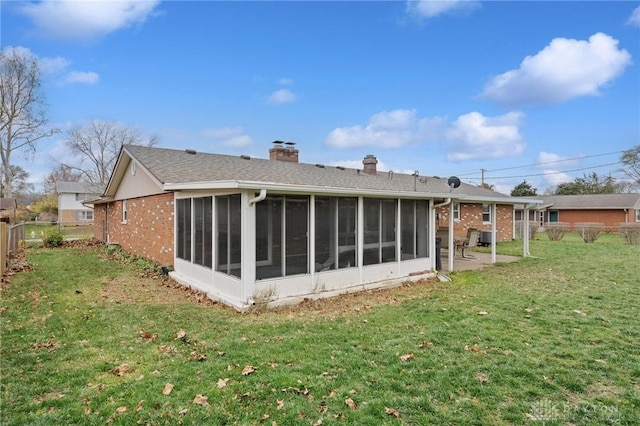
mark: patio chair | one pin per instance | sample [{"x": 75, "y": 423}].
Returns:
[{"x": 469, "y": 242}]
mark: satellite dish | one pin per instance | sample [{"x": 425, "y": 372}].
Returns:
[{"x": 453, "y": 182}]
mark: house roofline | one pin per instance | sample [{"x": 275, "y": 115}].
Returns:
[{"x": 271, "y": 186}]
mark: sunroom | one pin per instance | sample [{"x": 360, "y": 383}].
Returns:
[{"x": 239, "y": 246}]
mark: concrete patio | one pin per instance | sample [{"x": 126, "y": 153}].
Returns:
[{"x": 472, "y": 260}]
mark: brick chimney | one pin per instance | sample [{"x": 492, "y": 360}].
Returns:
[
  {"x": 369, "y": 163},
  {"x": 284, "y": 151}
]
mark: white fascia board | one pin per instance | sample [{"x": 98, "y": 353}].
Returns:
[
  {"x": 277, "y": 187},
  {"x": 497, "y": 200}
]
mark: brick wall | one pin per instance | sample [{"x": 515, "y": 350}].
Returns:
[
  {"x": 148, "y": 231},
  {"x": 610, "y": 218},
  {"x": 471, "y": 217}
]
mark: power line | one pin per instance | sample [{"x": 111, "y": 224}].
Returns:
[
  {"x": 553, "y": 173},
  {"x": 483, "y": 171}
]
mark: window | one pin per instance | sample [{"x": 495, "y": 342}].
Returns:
[
  {"x": 638, "y": 215},
  {"x": 486, "y": 213},
  {"x": 124, "y": 211},
  {"x": 335, "y": 226},
  {"x": 183, "y": 229},
  {"x": 229, "y": 234},
  {"x": 203, "y": 231},
  {"x": 84, "y": 215},
  {"x": 83, "y": 197},
  {"x": 282, "y": 229},
  {"x": 379, "y": 231},
  {"x": 414, "y": 215},
  {"x": 456, "y": 211}
]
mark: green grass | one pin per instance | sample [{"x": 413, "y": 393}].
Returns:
[
  {"x": 37, "y": 230},
  {"x": 558, "y": 345}
]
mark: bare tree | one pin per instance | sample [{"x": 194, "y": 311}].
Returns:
[
  {"x": 19, "y": 182},
  {"x": 631, "y": 159},
  {"x": 96, "y": 146},
  {"x": 61, "y": 174},
  {"x": 23, "y": 121}
]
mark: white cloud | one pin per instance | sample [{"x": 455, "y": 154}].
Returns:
[
  {"x": 433, "y": 8},
  {"x": 281, "y": 96},
  {"x": 285, "y": 81},
  {"x": 49, "y": 66},
  {"x": 474, "y": 136},
  {"x": 555, "y": 177},
  {"x": 87, "y": 19},
  {"x": 57, "y": 68},
  {"x": 232, "y": 137},
  {"x": 563, "y": 70},
  {"x": 82, "y": 77},
  {"x": 545, "y": 158},
  {"x": 387, "y": 129},
  {"x": 634, "y": 19}
]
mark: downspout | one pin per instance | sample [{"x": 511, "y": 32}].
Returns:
[
  {"x": 452, "y": 253},
  {"x": 260, "y": 197}
]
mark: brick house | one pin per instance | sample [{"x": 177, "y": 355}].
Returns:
[
  {"x": 243, "y": 229},
  {"x": 608, "y": 209}
]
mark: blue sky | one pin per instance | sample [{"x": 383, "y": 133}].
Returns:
[{"x": 543, "y": 91}]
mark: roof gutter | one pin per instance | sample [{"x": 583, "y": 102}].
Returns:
[{"x": 444, "y": 203}]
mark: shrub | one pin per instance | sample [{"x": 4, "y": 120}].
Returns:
[
  {"x": 590, "y": 231},
  {"x": 53, "y": 238},
  {"x": 630, "y": 232},
  {"x": 556, "y": 230}
]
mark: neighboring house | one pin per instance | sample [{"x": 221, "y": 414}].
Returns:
[
  {"x": 245, "y": 229},
  {"x": 608, "y": 209},
  {"x": 71, "y": 196}
]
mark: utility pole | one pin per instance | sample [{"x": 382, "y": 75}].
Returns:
[{"x": 483, "y": 170}]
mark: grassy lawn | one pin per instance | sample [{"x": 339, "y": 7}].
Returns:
[
  {"x": 38, "y": 230},
  {"x": 548, "y": 340}
]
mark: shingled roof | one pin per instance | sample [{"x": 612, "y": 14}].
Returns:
[
  {"x": 177, "y": 169},
  {"x": 592, "y": 202}
]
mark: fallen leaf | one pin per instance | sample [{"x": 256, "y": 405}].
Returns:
[
  {"x": 482, "y": 313},
  {"x": 183, "y": 411},
  {"x": 280, "y": 403},
  {"x": 392, "y": 412},
  {"x": 146, "y": 336},
  {"x": 121, "y": 370},
  {"x": 121, "y": 410},
  {"x": 248, "y": 370},
  {"x": 139, "y": 406},
  {"x": 182, "y": 335},
  {"x": 155, "y": 372},
  {"x": 222, "y": 383},
  {"x": 201, "y": 400},
  {"x": 406, "y": 357},
  {"x": 194, "y": 355},
  {"x": 482, "y": 378},
  {"x": 424, "y": 344},
  {"x": 575, "y": 311},
  {"x": 351, "y": 404},
  {"x": 323, "y": 408},
  {"x": 166, "y": 390},
  {"x": 264, "y": 417}
]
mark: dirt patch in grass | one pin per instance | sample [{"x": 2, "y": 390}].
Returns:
[
  {"x": 357, "y": 302},
  {"x": 149, "y": 290}
]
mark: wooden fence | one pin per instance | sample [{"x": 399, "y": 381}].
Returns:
[{"x": 10, "y": 238}]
